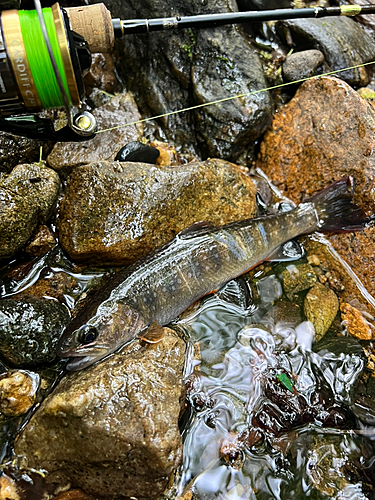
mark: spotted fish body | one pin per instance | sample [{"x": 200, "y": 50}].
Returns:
[{"x": 198, "y": 261}]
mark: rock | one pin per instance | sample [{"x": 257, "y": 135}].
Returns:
[
  {"x": 119, "y": 212},
  {"x": 43, "y": 241},
  {"x": 173, "y": 70},
  {"x": 27, "y": 195},
  {"x": 340, "y": 277},
  {"x": 9, "y": 489},
  {"x": 102, "y": 76},
  {"x": 136, "y": 151},
  {"x": 366, "y": 19},
  {"x": 221, "y": 69},
  {"x": 299, "y": 65},
  {"x": 121, "y": 109},
  {"x": 320, "y": 306},
  {"x": 355, "y": 323},
  {"x": 297, "y": 278},
  {"x": 15, "y": 150},
  {"x": 325, "y": 132},
  {"x": 30, "y": 329},
  {"x": 17, "y": 392},
  {"x": 74, "y": 495},
  {"x": 116, "y": 423},
  {"x": 343, "y": 42}
]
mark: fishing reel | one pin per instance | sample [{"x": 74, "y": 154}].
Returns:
[
  {"x": 45, "y": 53},
  {"x": 42, "y": 64}
]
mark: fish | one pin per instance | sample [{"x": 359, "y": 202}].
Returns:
[{"x": 198, "y": 261}]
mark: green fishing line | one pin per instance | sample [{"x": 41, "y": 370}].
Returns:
[{"x": 37, "y": 54}]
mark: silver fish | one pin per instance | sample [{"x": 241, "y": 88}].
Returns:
[{"x": 197, "y": 262}]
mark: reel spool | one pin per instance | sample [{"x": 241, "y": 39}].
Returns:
[{"x": 42, "y": 64}]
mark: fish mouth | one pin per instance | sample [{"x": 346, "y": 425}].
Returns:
[{"x": 79, "y": 362}]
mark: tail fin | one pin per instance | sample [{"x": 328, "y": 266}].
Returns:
[{"x": 335, "y": 209}]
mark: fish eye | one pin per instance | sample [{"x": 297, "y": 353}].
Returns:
[{"x": 88, "y": 334}]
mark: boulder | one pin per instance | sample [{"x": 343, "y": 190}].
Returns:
[
  {"x": 27, "y": 196},
  {"x": 115, "y": 213},
  {"x": 112, "y": 429}
]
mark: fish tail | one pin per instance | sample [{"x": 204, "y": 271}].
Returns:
[{"x": 336, "y": 211}]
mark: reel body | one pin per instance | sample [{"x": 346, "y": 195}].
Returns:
[{"x": 42, "y": 69}]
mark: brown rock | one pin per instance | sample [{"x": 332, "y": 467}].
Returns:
[
  {"x": 8, "y": 489},
  {"x": 42, "y": 242},
  {"x": 121, "y": 109},
  {"x": 334, "y": 270},
  {"x": 325, "y": 132},
  {"x": 119, "y": 212},
  {"x": 355, "y": 323},
  {"x": 112, "y": 429},
  {"x": 17, "y": 393},
  {"x": 320, "y": 306},
  {"x": 74, "y": 495}
]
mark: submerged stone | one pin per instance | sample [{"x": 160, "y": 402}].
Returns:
[
  {"x": 320, "y": 306},
  {"x": 119, "y": 212},
  {"x": 112, "y": 429},
  {"x": 27, "y": 196},
  {"x": 17, "y": 392},
  {"x": 30, "y": 328}
]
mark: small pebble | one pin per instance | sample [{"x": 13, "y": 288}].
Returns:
[
  {"x": 354, "y": 322},
  {"x": 320, "y": 307},
  {"x": 17, "y": 393},
  {"x": 42, "y": 242}
]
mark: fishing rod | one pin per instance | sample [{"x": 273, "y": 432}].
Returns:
[{"x": 45, "y": 53}]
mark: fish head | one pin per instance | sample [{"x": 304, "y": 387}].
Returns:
[{"x": 111, "y": 327}]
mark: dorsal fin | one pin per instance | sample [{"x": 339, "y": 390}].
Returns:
[{"x": 195, "y": 229}]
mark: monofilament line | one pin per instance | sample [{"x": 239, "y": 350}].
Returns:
[{"x": 225, "y": 99}]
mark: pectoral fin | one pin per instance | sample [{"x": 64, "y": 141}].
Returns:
[
  {"x": 195, "y": 230},
  {"x": 152, "y": 334}
]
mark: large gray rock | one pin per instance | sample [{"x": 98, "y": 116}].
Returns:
[
  {"x": 27, "y": 196},
  {"x": 343, "y": 42},
  {"x": 112, "y": 429},
  {"x": 120, "y": 110},
  {"x": 169, "y": 71},
  {"x": 118, "y": 212}
]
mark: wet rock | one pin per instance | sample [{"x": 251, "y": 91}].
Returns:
[
  {"x": 366, "y": 19},
  {"x": 354, "y": 322},
  {"x": 102, "y": 76},
  {"x": 302, "y": 65},
  {"x": 136, "y": 151},
  {"x": 320, "y": 306},
  {"x": 43, "y": 241},
  {"x": 30, "y": 329},
  {"x": 27, "y": 196},
  {"x": 9, "y": 489},
  {"x": 74, "y": 495},
  {"x": 17, "y": 392},
  {"x": 326, "y": 132},
  {"x": 297, "y": 278},
  {"x": 343, "y": 42},
  {"x": 121, "y": 109},
  {"x": 116, "y": 423},
  {"x": 263, "y": 4},
  {"x": 213, "y": 63},
  {"x": 220, "y": 69},
  {"x": 15, "y": 150},
  {"x": 118, "y": 212}
]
